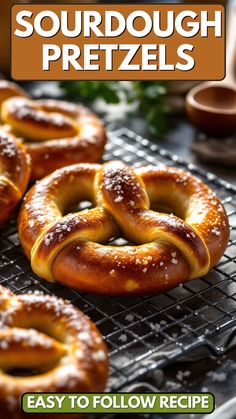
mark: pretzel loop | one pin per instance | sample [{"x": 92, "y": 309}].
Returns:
[
  {"x": 168, "y": 248},
  {"x": 56, "y": 345},
  {"x": 55, "y": 133},
  {"x": 94, "y": 225},
  {"x": 35, "y": 122},
  {"x": 147, "y": 226},
  {"x": 28, "y": 349}
]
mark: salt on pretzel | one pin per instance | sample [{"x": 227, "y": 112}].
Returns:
[
  {"x": 15, "y": 170},
  {"x": 168, "y": 248},
  {"x": 55, "y": 133},
  {"x": 54, "y": 340}
]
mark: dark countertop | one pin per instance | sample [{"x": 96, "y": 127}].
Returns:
[{"x": 179, "y": 140}]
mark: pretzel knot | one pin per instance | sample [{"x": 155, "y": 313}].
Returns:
[
  {"x": 168, "y": 248},
  {"x": 46, "y": 345},
  {"x": 55, "y": 133}
]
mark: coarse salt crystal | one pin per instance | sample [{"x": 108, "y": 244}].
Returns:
[{"x": 119, "y": 198}]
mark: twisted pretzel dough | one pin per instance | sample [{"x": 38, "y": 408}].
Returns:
[
  {"x": 53, "y": 339},
  {"x": 55, "y": 133},
  {"x": 15, "y": 170},
  {"x": 168, "y": 249},
  {"x": 9, "y": 89}
]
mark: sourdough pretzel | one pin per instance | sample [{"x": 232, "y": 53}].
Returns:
[
  {"x": 54, "y": 340},
  {"x": 168, "y": 249},
  {"x": 56, "y": 133},
  {"x": 9, "y": 89},
  {"x": 14, "y": 173}
]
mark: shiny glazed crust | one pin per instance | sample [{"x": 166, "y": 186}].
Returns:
[
  {"x": 168, "y": 248},
  {"x": 15, "y": 170},
  {"x": 54, "y": 339},
  {"x": 55, "y": 133}
]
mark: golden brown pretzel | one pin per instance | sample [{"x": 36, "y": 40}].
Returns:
[
  {"x": 9, "y": 89},
  {"x": 14, "y": 173},
  {"x": 56, "y": 133},
  {"x": 168, "y": 249},
  {"x": 54, "y": 340}
]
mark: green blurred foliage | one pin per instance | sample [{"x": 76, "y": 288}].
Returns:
[{"x": 148, "y": 95}]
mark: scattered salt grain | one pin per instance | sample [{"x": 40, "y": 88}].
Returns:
[
  {"x": 112, "y": 272},
  {"x": 4, "y": 345},
  {"x": 217, "y": 376},
  {"x": 119, "y": 198},
  {"x": 100, "y": 355},
  {"x": 123, "y": 337},
  {"x": 129, "y": 317},
  {"x": 216, "y": 231}
]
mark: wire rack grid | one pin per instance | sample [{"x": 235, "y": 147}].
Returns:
[{"x": 144, "y": 333}]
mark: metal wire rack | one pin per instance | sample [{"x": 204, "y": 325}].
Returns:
[{"x": 144, "y": 333}]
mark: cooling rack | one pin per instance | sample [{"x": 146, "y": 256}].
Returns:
[{"x": 144, "y": 333}]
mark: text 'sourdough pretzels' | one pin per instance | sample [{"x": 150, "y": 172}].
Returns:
[
  {"x": 55, "y": 133},
  {"x": 168, "y": 248},
  {"x": 57, "y": 342}
]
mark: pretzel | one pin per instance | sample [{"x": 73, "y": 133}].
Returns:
[
  {"x": 169, "y": 248},
  {"x": 55, "y": 133},
  {"x": 54, "y": 340},
  {"x": 15, "y": 170},
  {"x": 9, "y": 89}
]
